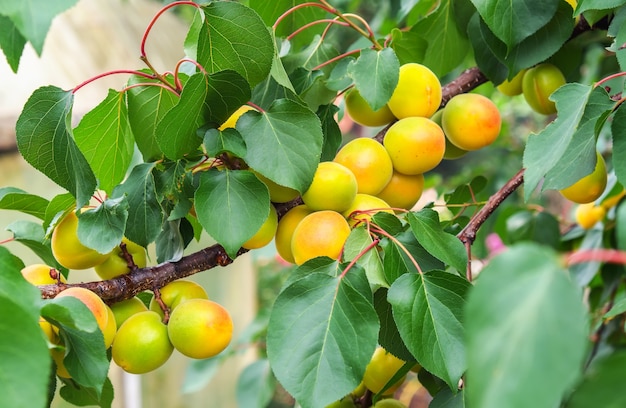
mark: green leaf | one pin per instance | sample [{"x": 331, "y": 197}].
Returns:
[
  {"x": 256, "y": 385},
  {"x": 446, "y": 247},
  {"x": 541, "y": 227},
  {"x": 13, "y": 286},
  {"x": 617, "y": 30},
  {"x": 520, "y": 296},
  {"x": 618, "y": 308},
  {"x": 312, "y": 88},
  {"x": 513, "y": 21},
  {"x": 321, "y": 335},
  {"x": 375, "y": 75},
  {"x": 446, "y": 398},
  {"x": 483, "y": 41},
  {"x": 34, "y": 17},
  {"x": 145, "y": 215},
  {"x": 176, "y": 133},
  {"x": 428, "y": 309},
  {"x": 12, "y": 198},
  {"x": 358, "y": 240},
  {"x": 170, "y": 243},
  {"x": 587, "y": 5},
  {"x": 231, "y": 206},
  {"x": 408, "y": 45},
  {"x": 331, "y": 131},
  {"x": 618, "y": 129},
  {"x": 284, "y": 143},
  {"x": 388, "y": 335},
  {"x": 85, "y": 357},
  {"x": 227, "y": 140},
  {"x": 84, "y": 396},
  {"x": 227, "y": 92},
  {"x": 464, "y": 193},
  {"x": 447, "y": 46},
  {"x": 11, "y": 42},
  {"x": 102, "y": 228},
  {"x": 45, "y": 140},
  {"x": 601, "y": 384},
  {"x": 234, "y": 37},
  {"x": 105, "y": 138},
  {"x": 279, "y": 74},
  {"x": 147, "y": 105},
  {"x": 550, "y": 152},
  {"x": 31, "y": 234}
]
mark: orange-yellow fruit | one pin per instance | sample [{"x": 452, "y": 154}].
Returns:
[
  {"x": 363, "y": 207},
  {"x": 590, "y": 187},
  {"x": 116, "y": 265},
  {"x": 200, "y": 328},
  {"x": 39, "y": 274},
  {"x": 418, "y": 92},
  {"x": 278, "y": 193},
  {"x": 93, "y": 302},
  {"x": 514, "y": 86},
  {"x": 452, "y": 152},
  {"x": 176, "y": 292},
  {"x": 285, "y": 229},
  {"x": 381, "y": 368},
  {"x": 403, "y": 191},
  {"x": 58, "y": 355},
  {"x": 232, "y": 119},
  {"x": 588, "y": 214},
  {"x": 334, "y": 187},
  {"x": 68, "y": 250},
  {"x": 471, "y": 121},
  {"x": 538, "y": 84},
  {"x": 415, "y": 145},
  {"x": 321, "y": 233},
  {"x": 368, "y": 161},
  {"x": 362, "y": 113},
  {"x": 266, "y": 233},
  {"x": 141, "y": 343},
  {"x": 111, "y": 328}
]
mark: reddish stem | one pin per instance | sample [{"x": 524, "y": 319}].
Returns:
[
  {"x": 159, "y": 84},
  {"x": 156, "y": 17},
  {"x": 7, "y": 240},
  {"x": 337, "y": 58},
  {"x": 608, "y": 78},
  {"x": 359, "y": 256},
  {"x": 375, "y": 229},
  {"x": 114, "y": 72},
  {"x": 255, "y": 106},
  {"x": 297, "y": 7},
  {"x": 599, "y": 254},
  {"x": 330, "y": 22}
]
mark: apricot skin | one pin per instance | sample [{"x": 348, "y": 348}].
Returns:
[
  {"x": 538, "y": 84},
  {"x": 265, "y": 234},
  {"x": 418, "y": 92},
  {"x": 92, "y": 301},
  {"x": 285, "y": 229},
  {"x": 334, "y": 187},
  {"x": 365, "y": 202},
  {"x": 362, "y": 113},
  {"x": 471, "y": 121},
  {"x": 368, "y": 161},
  {"x": 321, "y": 233},
  {"x": 590, "y": 187},
  {"x": 415, "y": 145},
  {"x": 68, "y": 250},
  {"x": 403, "y": 191}
]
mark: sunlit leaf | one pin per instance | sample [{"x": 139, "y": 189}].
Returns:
[
  {"x": 12, "y": 198},
  {"x": 375, "y": 75}
]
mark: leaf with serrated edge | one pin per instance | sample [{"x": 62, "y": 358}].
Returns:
[
  {"x": 514, "y": 316},
  {"x": 428, "y": 309},
  {"x": 12, "y": 198},
  {"x": 321, "y": 335},
  {"x": 375, "y": 75}
]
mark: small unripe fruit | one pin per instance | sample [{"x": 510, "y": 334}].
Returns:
[
  {"x": 278, "y": 193},
  {"x": 322, "y": 233},
  {"x": 514, "y": 86},
  {"x": 381, "y": 368},
  {"x": 418, "y": 92},
  {"x": 126, "y": 308},
  {"x": 40, "y": 274},
  {"x": 587, "y": 215},
  {"x": 590, "y": 187},
  {"x": 538, "y": 84},
  {"x": 177, "y": 292},
  {"x": 116, "y": 265},
  {"x": 369, "y": 161}
]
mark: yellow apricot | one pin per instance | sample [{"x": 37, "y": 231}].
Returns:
[
  {"x": 285, "y": 229},
  {"x": 369, "y": 161},
  {"x": 452, "y": 152},
  {"x": 415, "y": 145},
  {"x": 588, "y": 214},
  {"x": 116, "y": 264},
  {"x": 39, "y": 274},
  {"x": 68, "y": 250},
  {"x": 471, "y": 121},
  {"x": 321, "y": 233},
  {"x": 278, "y": 193},
  {"x": 177, "y": 292},
  {"x": 334, "y": 187},
  {"x": 418, "y": 92},
  {"x": 363, "y": 207},
  {"x": 590, "y": 187},
  {"x": 381, "y": 368},
  {"x": 232, "y": 119},
  {"x": 361, "y": 112},
  {"x": 111, "y": 328},
  {"x": 97, "y": 307},
  {"x": 403, "y": 190},
  {"x": 514, "y": 86},
  {"x": 266, "y": 232}
]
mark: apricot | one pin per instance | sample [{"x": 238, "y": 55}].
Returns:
[
  {"x": 232, "y": 119},
  {"x": 40, "y": 274},
  {"x": 142, "y": 343},
  {"x": 97, "y": 307},
  {"x": 266, "y": 232},
  {"x": 175, "y": 293},
  {"x": 200, "y": 328},
  {"x": 362, "y": 113},
  {"x": 111, "y": 328},
  {"x": 370, "y": 163},
  {"x": 67, "y": 248},
  {"x": 418, "y": 92},
  {"x": 389, "y": 403},
  {"x": 513, "y": 86},
  {"x": 285, "y": 229},
  {"x": 380, "y": 370},
  {"x": 363, "y": 207},
  {"x": 588, "y": 214},
  {"x": 321, "y": 233},
  {"x": 278, "y": 193},
  {"x": 415, "y": 145},
  {"x": 116, "y": 265},
  {"x": 452, "y": 152},
  {"x": 58, "y": 355},
  {"x": 333, "y": 187},
  {"x": 538, "y": 84},
  {"x": 126, "y": 308},
  {"x": 403, "y": 190},
  {"x": 590, "y": 187},
  {"x": 471, "y": 121}
]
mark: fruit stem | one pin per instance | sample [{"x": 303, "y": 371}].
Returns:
[
  {"x": 7, "y": 240},
  {"x": 337, "y": 58},
  {"x": 358, "y": 256},
  {"x": 162, "y": 305},
  {"x": 377, "y": 230},
  {"x": 255, "y": 106},
  {"x": 330, "y": 22},
  {"x": 297, "y": 7},
  {"x": 114, "y": 72},
  {"x": 608, "y": 78},
  {"x": 598, "y": 254},
  {"x": 159, "y": 84},
  {"x": 156, "y": 74},
  {"x": 179, "y": 85},
  {"x": 156, "y": 17}
]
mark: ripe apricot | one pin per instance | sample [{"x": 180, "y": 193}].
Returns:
[
  {"x": 321, "y": 233},
  {"x": 403, "y": 190},
  {"x": 116, "y": 265},
  {"x": 111, "y": 328},
  {"x": 369, "y": 161},
  {"x": 363, "y": 207},
  {"x": 362, "y": 113},
  {"x": 418, "y": 92},
  {"x": 39, "y": 274},
  {"x": 97, "y": 307},
  {"x": 141, "y": 343},
  {"x": 381, "y": 368},
  {"x": 175, "y": 293},
  {"x": 539, "y": 83},
  {"x": 278, "y": 193},
  {"x": 415, "y": 145},
  {"x": 232, "y": 119},
  {"x": 588, "y": 214},
  {"x": 68, "y": 250},
  {"x": 266, "y": 232},
  {"x": 334, "y": 187},
  {"x": 200, "y": 328},
  {"x": 452, "y": 152},
  {"x": 471, "y": 121},
  {"x": 590, "y": 187},
  {"x": 514, "y": 86},
  {"x": 285, "y": 229}
]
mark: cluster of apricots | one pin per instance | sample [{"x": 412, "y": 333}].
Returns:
[{"x": 141, "y": 337}]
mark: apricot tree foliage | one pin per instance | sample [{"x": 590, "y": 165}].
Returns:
[{"x": 527, "y": 331}]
